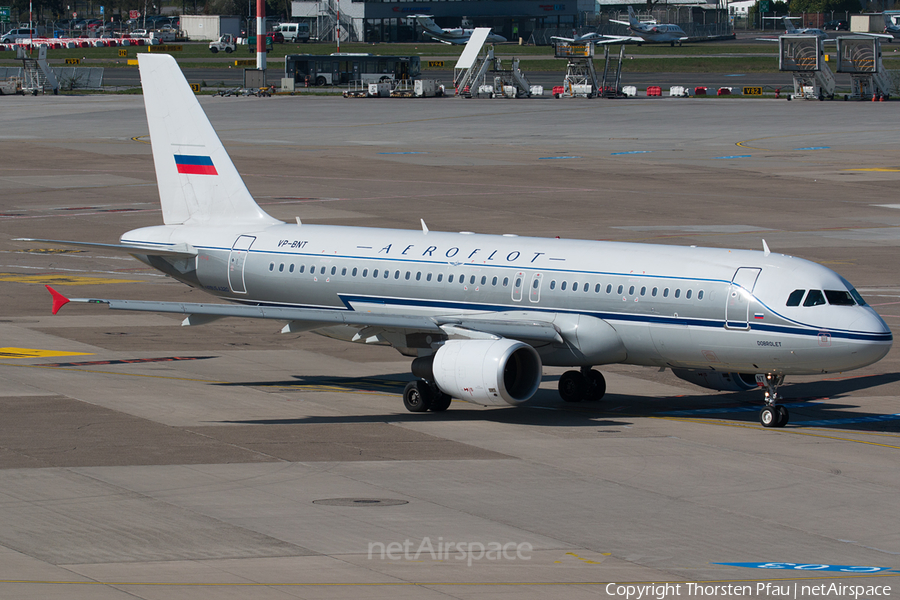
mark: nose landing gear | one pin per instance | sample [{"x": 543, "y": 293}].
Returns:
[{"x": 773, "y": 414}]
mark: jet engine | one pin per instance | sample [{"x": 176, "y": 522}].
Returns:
[
  {"x": 489, "y": 372},
  {"x": 717, "y": 380}
]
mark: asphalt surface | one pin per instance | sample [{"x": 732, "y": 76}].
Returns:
[{"x": 143, "y": 459}]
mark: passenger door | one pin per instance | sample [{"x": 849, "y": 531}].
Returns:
[
  {"x": 737, "y": 309},
  {"x": 237, "y": 259}
]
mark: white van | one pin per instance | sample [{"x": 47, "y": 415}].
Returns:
[{"x": 294, "y": 32}]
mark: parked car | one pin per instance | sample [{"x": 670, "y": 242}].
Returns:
[
  {"x": 836, "y": 26},
  {"x": 15, "y": 34},
  {"x": 276, "y": 36}
]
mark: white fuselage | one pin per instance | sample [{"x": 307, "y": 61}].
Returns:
[{"x": 671, "y": 306}]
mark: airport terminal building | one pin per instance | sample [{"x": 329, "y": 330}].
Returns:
[{"x": 388, "y": 20}]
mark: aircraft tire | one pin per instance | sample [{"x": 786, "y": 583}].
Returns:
[
  {"x": 573, "y": 386},
  {"x": 783, "y": 415},
  {"x": 768, "y": 417},
  {"x": 441, "y": 402},
  {"x": 596, "y": 385},
  {"x": 417, "y": 396}
]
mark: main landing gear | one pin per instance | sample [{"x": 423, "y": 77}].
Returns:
[
  {"x": 773, "y": 414},
  {"x": 584, "y": 385},
  {"x": 421, "y": 396}
]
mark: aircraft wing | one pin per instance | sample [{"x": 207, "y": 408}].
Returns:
[
  {"x": 519, "y": 325},
  {"x": 172, "y": 250},
  {"x": 881, "y": 36},
  {"x": 619, "y": 39},
  {"x": 562, "y": 39},
  {"x": 620, "y": 22}
]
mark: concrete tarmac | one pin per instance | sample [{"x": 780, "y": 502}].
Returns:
[{"x": 142, "y": 459}]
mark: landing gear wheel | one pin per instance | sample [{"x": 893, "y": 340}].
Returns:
[
  {"x": 441, "y": 402},
  {"x": 573, "y": 386},
  {"x": 596, "y": 385},
  {"x": 768, "y": 417},
  {"x": 783, "y": 415},
  {"x": 417, "y": 396}
]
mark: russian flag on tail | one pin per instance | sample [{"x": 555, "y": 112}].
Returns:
[{"x": 195, "y": 165}]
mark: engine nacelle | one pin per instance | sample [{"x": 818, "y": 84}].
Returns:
[
  {"x": 488, "y": 372},
  {"x": 717, "y": 380}
]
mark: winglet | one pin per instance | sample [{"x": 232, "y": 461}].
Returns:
[{"x": 58, "y": 299}]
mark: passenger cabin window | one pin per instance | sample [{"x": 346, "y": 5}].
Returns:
[
  {"x": 814, "y": 298},
  {"x": 553, "y": 285},
  {"x": 301, "y": 269},
  {"x": 795, "y": 297},
  {"x": 505, "y": 281},
  {"x": 281, "y": 267},
  {"x": 839, "y": 298},
  {"x": 562, "y": 286},
  {"x": 291, "y": 268}
]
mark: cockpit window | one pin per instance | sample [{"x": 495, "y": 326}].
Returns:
[
  {"x": 814, "y": 298},
  {"x": 839, "y": 298},
  {"x": 855, "y": 295},
  {"x": 795, "y": 297}
]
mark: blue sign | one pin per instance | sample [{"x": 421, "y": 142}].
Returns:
[{"x": 808, "y": 567}]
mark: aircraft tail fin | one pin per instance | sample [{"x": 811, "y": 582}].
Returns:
[
  {"x": 198, "y": 184},
  {"x": 789, "y": 25},
  {"x": 632, "y": 18},
  {"x": 428, "y": 23}
]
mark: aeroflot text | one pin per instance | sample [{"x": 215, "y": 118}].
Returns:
[{"x": 775, "y": 590}]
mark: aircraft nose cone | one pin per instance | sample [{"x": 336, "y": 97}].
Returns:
[{"x": 870, "y": 321}]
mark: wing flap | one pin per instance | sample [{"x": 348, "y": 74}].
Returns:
[{"x": 519, "y": 326}]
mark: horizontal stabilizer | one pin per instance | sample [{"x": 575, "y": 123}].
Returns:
[{"x": 173, "y": 250}]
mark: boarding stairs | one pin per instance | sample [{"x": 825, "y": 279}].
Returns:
[
  {"x": 37, "y": 75},
  {"x": 581, "y": 78},
  {"x": 860, "y": 56},
  {"x": 804, "y": 57},
  {"x": 328, "y": 19},
  {"x": 472, "y": 66},
  {"x": 610, "y": 84}
]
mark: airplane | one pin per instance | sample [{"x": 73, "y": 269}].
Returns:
[
  {"x": 791, "y": 30},
  {"x": 482, "y": 314},
  {"x": 891, "y": 28},
  {"x": 647, "y": 32},
  {"x": 582, "y": 39},
  {"x": 452, "y": 36}
]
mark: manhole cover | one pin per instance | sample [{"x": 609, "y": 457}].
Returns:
[{"x": 360, "y": 502}]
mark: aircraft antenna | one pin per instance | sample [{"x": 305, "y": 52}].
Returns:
[
  {"x": 424, "y": 226},
  {"x": 765, "y": 247},
  {"x": 298, "y": 221}
]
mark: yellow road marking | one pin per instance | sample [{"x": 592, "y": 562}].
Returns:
[
  {"x": 60, "y": 279},
  {"x": 35, "y": 353},
  {"x": 878, "y": 170}
]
